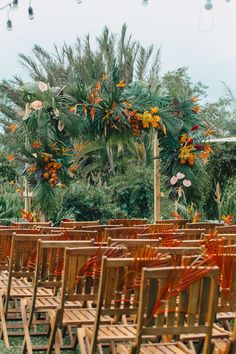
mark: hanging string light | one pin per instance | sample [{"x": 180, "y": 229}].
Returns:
[{"x": 10, "y": 7}]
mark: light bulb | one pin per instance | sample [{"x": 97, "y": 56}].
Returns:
[
  {"x": 9, "y": 25},
  {"x": 208, "y": 5},
  {"x": 31, "y": 13},
  {"x": 227, "y": 0},
  {"x": 79, "y": 2}
]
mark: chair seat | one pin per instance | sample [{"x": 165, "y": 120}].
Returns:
[
  {"x": 113, "y": 333},
  {"x": 15, "y": 282},
  {"x": 159, "y": 348},
  {"x": 21, "y": 292},
  {"x": 81, "y": 316},
  {"x": 221, "y": 346},
  {"x": 217, "y": 332},
  {"x": 225, "y": 316},
  {"x": 52, "y": 302}
]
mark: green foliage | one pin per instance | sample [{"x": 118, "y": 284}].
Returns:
[
  {"x": 221, "y": 167},
  {"x": 133, "y": 191},
  {"x": 10, "y": 202},
  {"x": 229, "y": 197},
  {"x": 88, "y": 202}
]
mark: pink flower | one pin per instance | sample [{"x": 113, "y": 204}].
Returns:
[
  {"x": 187, "y": 183},
  {"x": 180, "y": 175},
  {"x": 173, "y": 180},
  {"x": 37, "y": 105},
  {"x": 43, "y": 87}
]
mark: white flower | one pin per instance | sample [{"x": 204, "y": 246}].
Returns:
[
  {"x": 56, "y": 112},
  {"x": 180, "y": 175},
  {"x": 60, "y": 125},
  {"x": 43, "y": 87}
]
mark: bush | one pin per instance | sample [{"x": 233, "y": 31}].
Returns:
[
  {"x": 133, "y": 191},
  {"x": 88, "y": 202}
]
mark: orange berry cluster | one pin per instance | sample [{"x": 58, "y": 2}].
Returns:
[{"x": 51, "y": 168}]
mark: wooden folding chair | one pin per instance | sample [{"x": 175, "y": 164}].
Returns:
[
  {"x": 118, "y": 297},
  {"x": 166, "y": 311},
  {"x": 48, "y": 274},
  {"x": 78, "y": 224},
  {"x": 128, "y": 222},
  {"x": 81, "y": 275}
]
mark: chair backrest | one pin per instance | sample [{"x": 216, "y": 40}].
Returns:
[
  {"x": 101, "y": 231},
  {"x": 191, "y": 234},
  {"x": 208, "y": 226},
  {"x": 78, "y": 234},
  {"x": 169, "y": 309},
  {"x": 179, "y": 223},
  {"x": 155, "y": 228},
  {"x": 229, "y": 239},
  {"x": 133, "y": 245},
  {"x": 24, "y": 251},
  {"x": 128, "y": 222},
  {"x": 50, "y": 261},
  {"x": 78, "y": 224},
  {"x": 226, "y": 229},
  {"x": 123, "y": 232},
  {"x": 5, "y": 244},
  {"x": 30, "y": 225}
]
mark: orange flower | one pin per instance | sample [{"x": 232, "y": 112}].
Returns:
[
  {"x": 10, "y": 157},
  {"x": 154, "y": 110},
  {"x": 98, "y": 86},
  {"x": 74, "y": 168},
  {"x": 207, "y": 151},
  {"x": 183, "y": 139},
  {"x": 121, "y": 84},
  {"x": 176, "y": 215},
  {"x": 36, "y": 145},
  {"x": 194, "y": 99},
  {"x": 196, "y": 109},
  {"x": 196, "y": 217},
  {"x": 92, "y": 113},
  {"x": 72, "y": 109},
  {"x": 12, "y": 128}
]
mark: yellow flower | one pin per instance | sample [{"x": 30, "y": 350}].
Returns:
[
  {"x": 154, "y": 110},
  {"x": 104, "y": 76},
  {"x": 183, "y": 139},
  {"x": 121, "y": 84},
  {"x": 145, "y": 124}
]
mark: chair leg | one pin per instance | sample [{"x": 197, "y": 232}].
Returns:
[
  {"x": 27, "y": 345},
  {"x": 81, "y": 340},
  {"x": 54, "y": 320},
  {"x": 3, "y": 322}
]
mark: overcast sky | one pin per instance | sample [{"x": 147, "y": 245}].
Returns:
[{"x": 203, "y": 41}]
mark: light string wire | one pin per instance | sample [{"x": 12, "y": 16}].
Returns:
[{"x": 12, "y": 5}]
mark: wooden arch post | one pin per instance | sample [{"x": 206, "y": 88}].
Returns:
[{"x": 157, "y": 179}]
